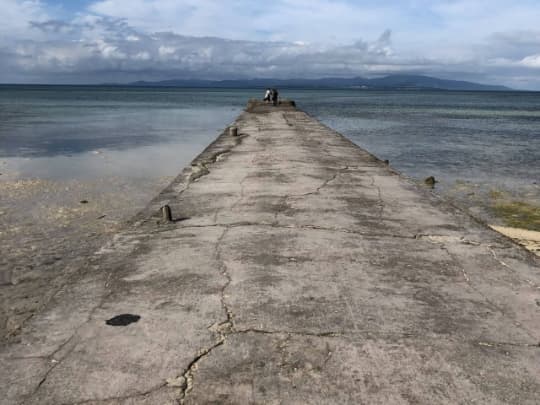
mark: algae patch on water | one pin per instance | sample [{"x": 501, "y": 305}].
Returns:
[{"x": 519, "y": 214}]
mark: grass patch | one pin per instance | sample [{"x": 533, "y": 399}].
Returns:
[
  {"x": 518, "y": 214},
  {"x": 495, "y": 194}
]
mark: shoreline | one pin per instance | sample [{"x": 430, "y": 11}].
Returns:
[
  {"x": 514, "y": 213},
  {"x": 528, "y": 239}
]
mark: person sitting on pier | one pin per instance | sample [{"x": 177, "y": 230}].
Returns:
[
  {"x": 267, "y": 95},
  {"x": 274, "y": 94}
]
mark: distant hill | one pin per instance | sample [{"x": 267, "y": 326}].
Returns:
[{"x": 394, "y": 82}]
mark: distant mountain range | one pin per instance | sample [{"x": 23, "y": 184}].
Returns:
[{"x": 392, "y": 82}]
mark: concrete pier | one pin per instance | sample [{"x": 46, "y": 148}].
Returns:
[{"x": 298, "y": 269}]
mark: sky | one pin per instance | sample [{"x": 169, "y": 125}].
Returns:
[{"x": 98, "y": 41}]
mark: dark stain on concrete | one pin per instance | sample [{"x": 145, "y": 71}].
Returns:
[{"x": 123, "y": 320}]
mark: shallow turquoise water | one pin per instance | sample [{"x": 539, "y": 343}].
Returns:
[{"x": 85, "y": 132}]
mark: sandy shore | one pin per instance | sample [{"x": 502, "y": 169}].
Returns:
[
  {"x": 514, "y": 213},
  {"x": 529, "y": 239}
]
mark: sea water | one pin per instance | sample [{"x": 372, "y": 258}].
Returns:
[
  {"x": 483, "y": 138},
  {"x": 78, "y": 132}
]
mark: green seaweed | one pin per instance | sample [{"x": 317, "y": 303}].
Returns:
[
  {"x": 519, "y": 214},
  {"x": 496, "y": 194}
]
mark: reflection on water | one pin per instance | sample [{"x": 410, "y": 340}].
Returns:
[
  {"x": 62, "y": 130},
  {"x": 86, "y": 132},
  {"x": 158, "y": 160},
  {"x": 81, "y": 132}
]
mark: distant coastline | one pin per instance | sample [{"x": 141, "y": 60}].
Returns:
[{"x": 392, "y": 82}]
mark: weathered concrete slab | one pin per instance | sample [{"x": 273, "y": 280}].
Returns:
[{"x": 299, "y": 269}]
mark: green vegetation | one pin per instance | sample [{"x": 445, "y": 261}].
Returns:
[
  {"x": 497, "y": 205},
  {"x": 519, "y": 214},
  {"x": 496, "y": 194}
]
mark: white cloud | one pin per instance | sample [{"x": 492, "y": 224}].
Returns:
[
  {"x": 142, "y": 56},
  {"x": 109, "y": 51},
  {"x": 532, "y": 61},
  {"x": 487, "y": 41},
  {"x": 323, "y": 21},
  {"x": 16, "y": 16},
  {"x": 165, "y": 51}
]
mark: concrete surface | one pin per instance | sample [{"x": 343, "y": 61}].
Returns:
[
  {"x": 47, "y": 234},
  {"x": 299, "y": 269}
]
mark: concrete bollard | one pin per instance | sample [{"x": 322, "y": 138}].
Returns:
[
  {"x": 233, "y": 131},
  {"x": 166, "y": 213}
]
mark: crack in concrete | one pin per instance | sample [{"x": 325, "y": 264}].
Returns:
[
  {"x": 51, "y": 369},
  {"x": 282, "y": 345},
  {"x": 324, "y": 184},
  {"x": 188, "y": 374},
  {"x": 287, "y": 332},
  {"x": 307, "y": 227},
  {"x": 200, "y": 167},
  {"x": 503, "y": 344},
  {"x": 202, "y": 170},
  {"x": 380, "y": 202},
  {"x": 443, "y": 246},
  {"x": 57, "y": 362},
  {"x": 227, "y": 327},
  {"x": 45, "y": 304},
  {"x": 194, "y": 176},
  {"x": 16, "y": 358},
  {"x": 368, "y": 334},
  {"x": 280, "y": 210},
  {"x": 316, "y": 191},
  {"x": 438, "y": 239},
  {"x": 235, "y": 204},
  {"x": 188, "y": 378},
  {"x": 504, "y": 264},
  {"x": 120, "y": 398},
  {"x": 456, "y": 261},
  {"x": 192, "y": 366},
  {"x": 242, "y": 191},
  {"x": 225, "y": 273},
  {"x": 105, "y": 295},
  {"x": 222, "y": 329}
]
